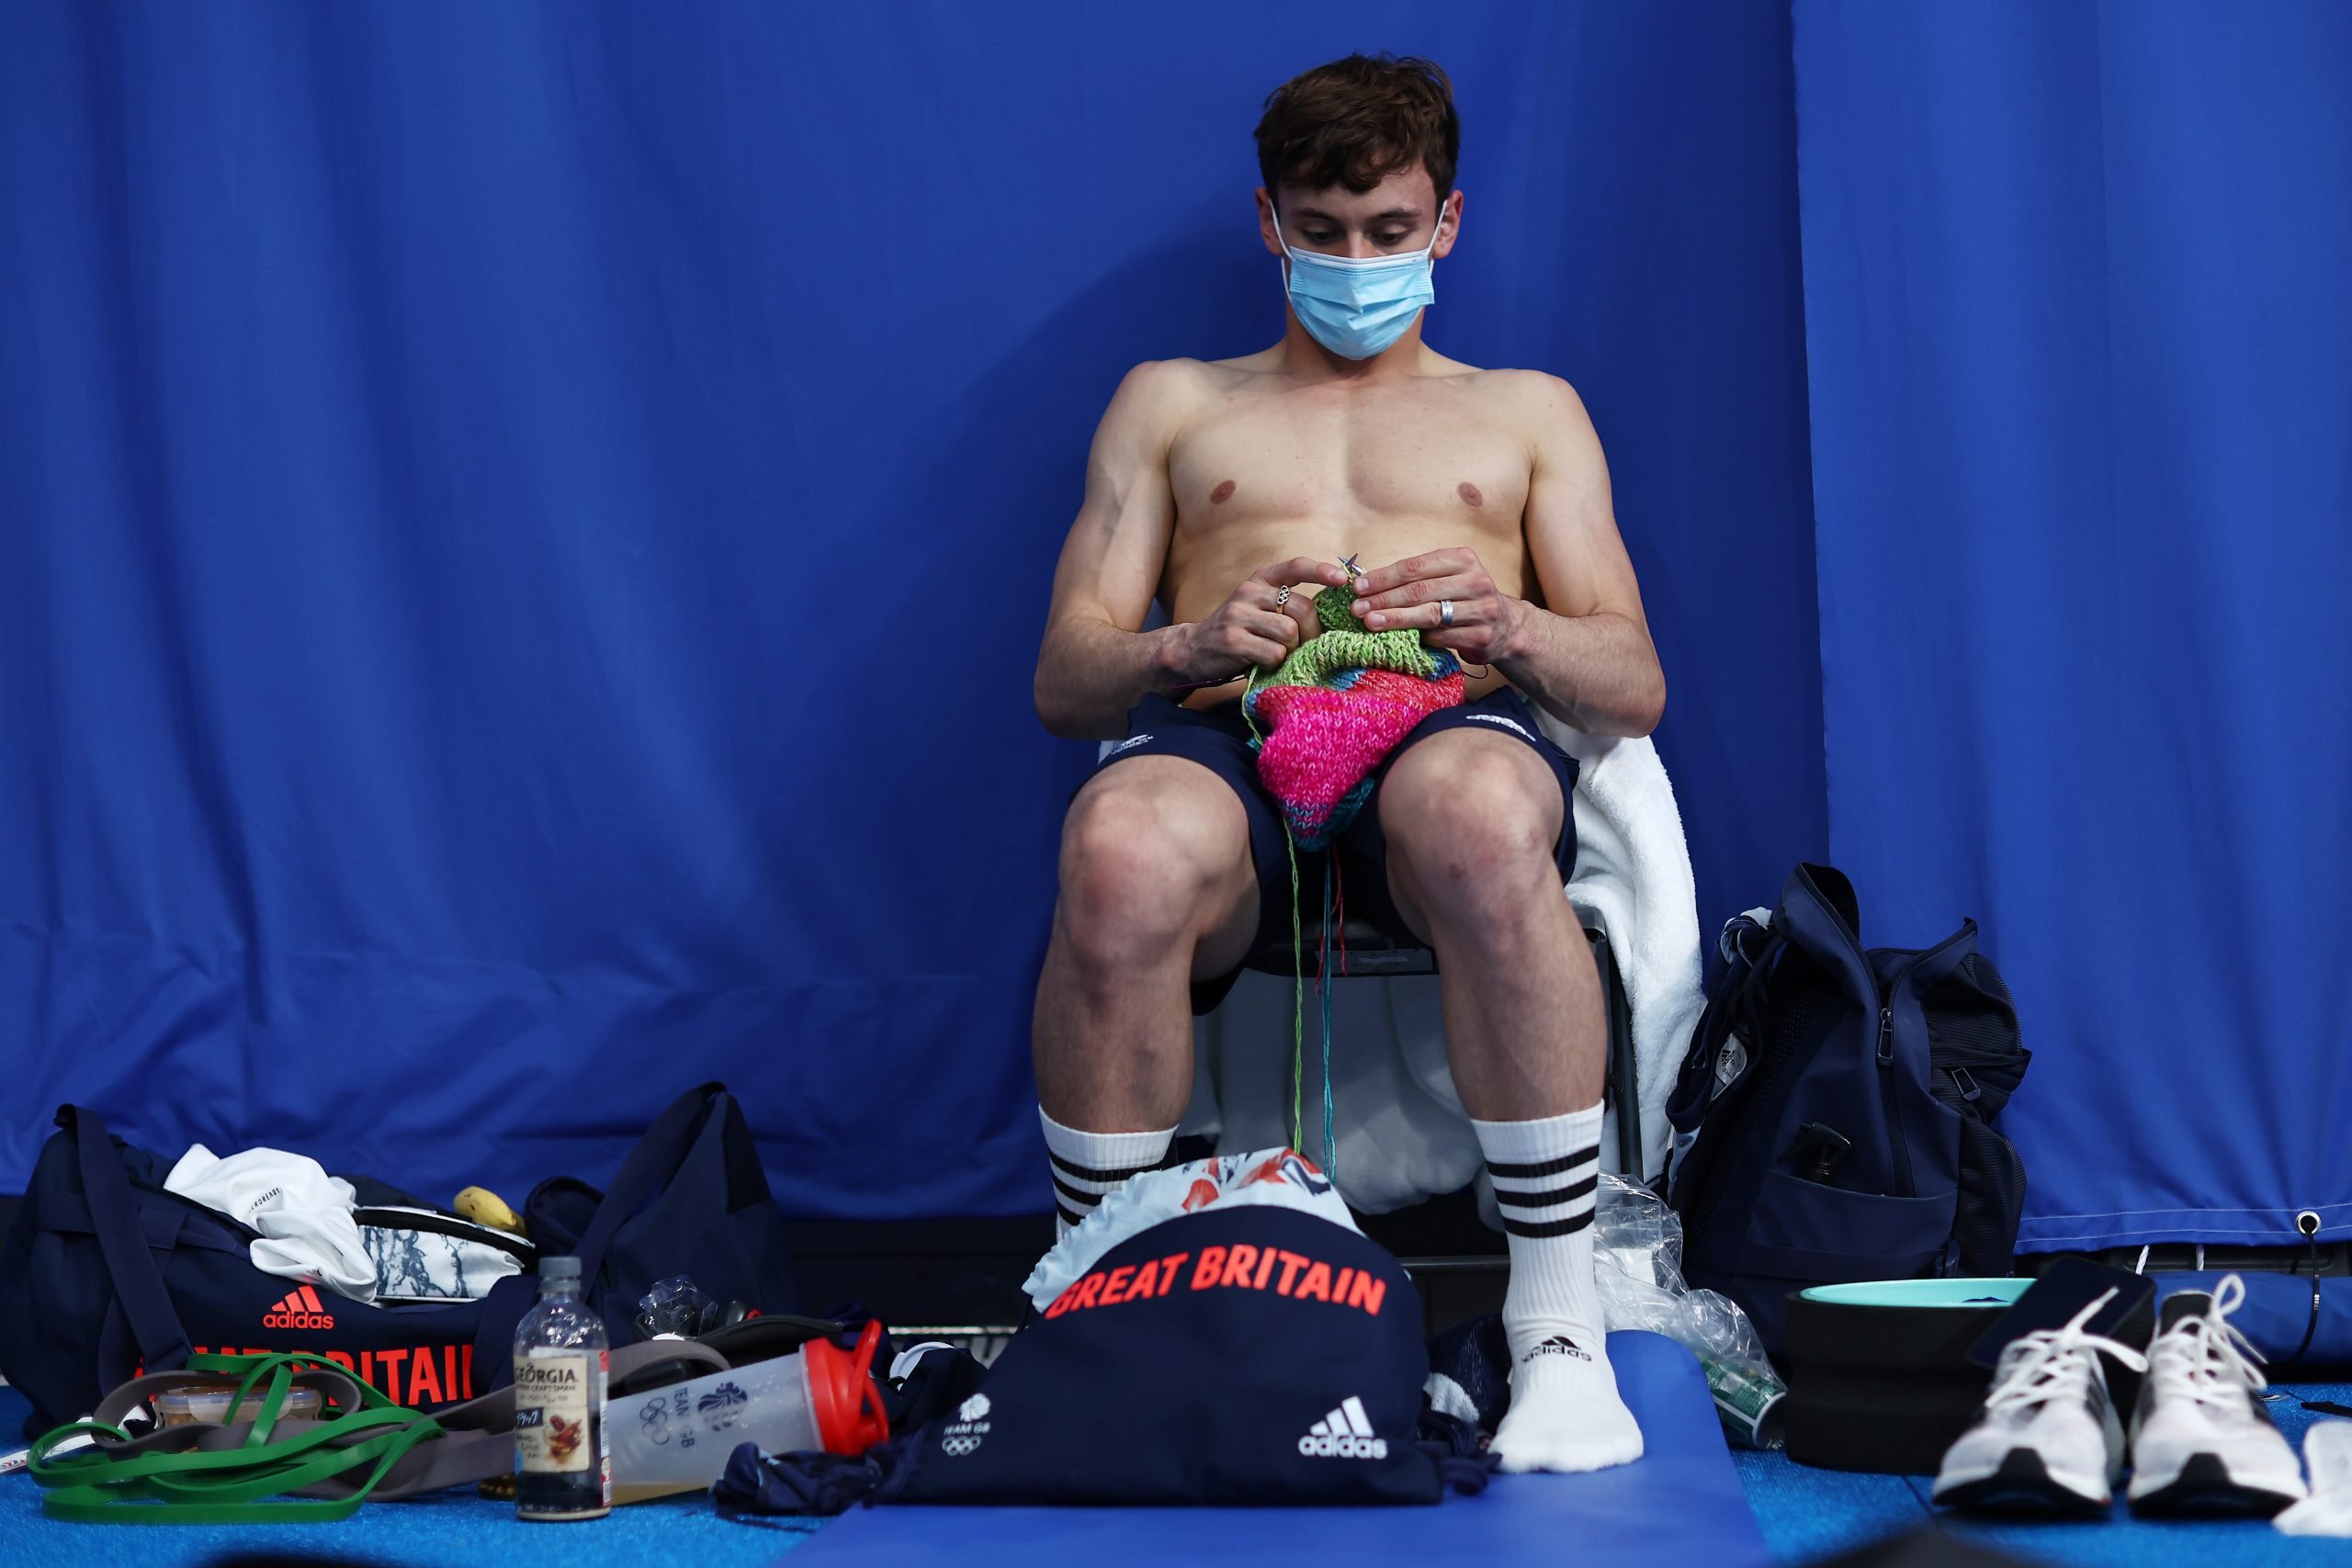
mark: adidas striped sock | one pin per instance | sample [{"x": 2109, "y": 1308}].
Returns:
[
  {"x": 1565, "y": 1410},
  {"x": 1088, "y": 1165}
]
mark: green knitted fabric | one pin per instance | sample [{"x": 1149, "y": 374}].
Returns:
[{"x": 1348, "y": 644}]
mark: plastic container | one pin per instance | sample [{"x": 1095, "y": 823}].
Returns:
[
  {"x": 678, "y": 1438},
  {"x": 1879, "y": 1379},
  {"x": 209, "y": 1403}
]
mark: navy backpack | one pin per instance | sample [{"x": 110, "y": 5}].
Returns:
[{"x": 1837, "y": 1105}]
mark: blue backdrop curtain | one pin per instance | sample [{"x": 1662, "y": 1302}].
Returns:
[
  {"x": 523, "y": 528},
  {"x": 2079, "y": 345}
]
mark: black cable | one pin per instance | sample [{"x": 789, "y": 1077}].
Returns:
[{"x": 2312, "y": 1328}]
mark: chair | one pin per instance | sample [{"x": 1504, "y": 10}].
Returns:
[
  {"x": 1370, "y": 953},
  {"x": 1458, "y": 1265}
]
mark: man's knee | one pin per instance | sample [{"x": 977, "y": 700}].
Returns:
[
  {"x": 1140, "y": 869},
  {"x": 1476, "y": 820}
]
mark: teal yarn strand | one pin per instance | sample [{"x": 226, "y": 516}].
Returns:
[
  {"x": 1297, "y": 975},
  {"x": 1330, "y": 913},
  {"x": 1297, "y": 1000}
]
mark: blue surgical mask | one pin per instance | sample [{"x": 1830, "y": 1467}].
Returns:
[{"x": 1357, "y": 309}]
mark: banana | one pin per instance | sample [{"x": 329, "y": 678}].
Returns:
[{"x": 484, "y": 1207}]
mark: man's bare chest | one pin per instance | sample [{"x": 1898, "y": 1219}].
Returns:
[{"x": 1277, "y": 458}]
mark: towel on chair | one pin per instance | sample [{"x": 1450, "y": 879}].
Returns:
[{"x": 1403, "y": 1136}]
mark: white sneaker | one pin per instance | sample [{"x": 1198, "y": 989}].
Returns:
[
  {"x": 2203, "y": 1441},
  {"x": 2049, "y": 1439}
]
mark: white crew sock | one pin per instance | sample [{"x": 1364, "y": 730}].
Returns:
[
  {"x": 1565, "y": 1410},
  {"x": 1088, "y": 1165}
]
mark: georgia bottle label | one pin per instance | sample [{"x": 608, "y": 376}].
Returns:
[{"x": 554, "y": 1392}]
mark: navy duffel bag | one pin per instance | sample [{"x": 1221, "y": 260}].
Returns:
[{"x": 104, "y": 1274}]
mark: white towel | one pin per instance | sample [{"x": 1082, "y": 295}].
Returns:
[
  {"x": 1401, "y": 1131},
  {"x": 303, "y": 1215}
]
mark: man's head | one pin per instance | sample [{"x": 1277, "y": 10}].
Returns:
[{"x": 1358, "y": 155}]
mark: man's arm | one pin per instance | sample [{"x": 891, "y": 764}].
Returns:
[
  {"x": 1096, "y": 662},
  {"x": 1588, "y": 659}
]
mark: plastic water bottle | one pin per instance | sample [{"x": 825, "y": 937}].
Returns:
[
  {"x": 678, "y": 1438},
  {"x": 561, "y": 1471}
]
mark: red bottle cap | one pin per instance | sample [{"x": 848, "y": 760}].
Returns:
[{"x": 842, "y": 1395}]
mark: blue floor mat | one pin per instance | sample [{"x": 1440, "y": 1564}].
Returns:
[
  {"x": 454, "y": 1529},
  {"x": 1683, "y": 1498},
  {"x": 1681, "y": 1504},
  {"x": 1808, "y": 1513}
]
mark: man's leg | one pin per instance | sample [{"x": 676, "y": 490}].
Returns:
[
  {"x": 1472, "y": 819},
  {"x": 1157, "y": 888}
]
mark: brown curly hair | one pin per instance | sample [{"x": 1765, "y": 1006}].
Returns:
[{"x": 1358, "y": 120}]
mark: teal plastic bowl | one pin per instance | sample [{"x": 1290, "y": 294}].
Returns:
[
  {"x": 1879, "y": 1374},
  {"x": 1921, "y": 1293}
]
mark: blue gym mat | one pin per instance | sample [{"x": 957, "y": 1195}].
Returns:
[
  {"x": 1683, "y": 1498},
  {"x": 1682, "y": 1503}
]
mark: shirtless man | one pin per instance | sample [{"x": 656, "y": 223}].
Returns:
[{"x": 1477, "y": 503}]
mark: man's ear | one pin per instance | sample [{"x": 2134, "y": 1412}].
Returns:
[
  {"x": 1447, "y": 234},
  {"x": 1268, "y": 222}
]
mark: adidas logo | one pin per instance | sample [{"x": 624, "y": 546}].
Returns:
[
  {"x": 1346, "y": 1433},
  {"x": 1559, "y": 1344},
  {"x": 300, "y": 1309}
]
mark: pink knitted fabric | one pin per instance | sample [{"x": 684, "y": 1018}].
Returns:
[{"x": 1324, "y": 741}]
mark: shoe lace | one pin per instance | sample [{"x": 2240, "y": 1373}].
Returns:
[
  {"x": 2205, "y": 1358},
  {"x": 2055, "y": 1363}
]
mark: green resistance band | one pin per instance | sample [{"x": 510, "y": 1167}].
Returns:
[{"x": 227, "y": 1486}]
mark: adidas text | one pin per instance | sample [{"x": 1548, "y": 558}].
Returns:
[
  {"x": 1345, "y": 1433},
  {"x": 1560, "y": 1344},
  {"x": 300, "y": 1309}
]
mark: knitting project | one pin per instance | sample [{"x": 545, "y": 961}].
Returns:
[{"x": 1335, "y": 709}]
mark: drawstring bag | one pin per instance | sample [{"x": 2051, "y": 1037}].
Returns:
[{"x": 1240, "y": 1355}]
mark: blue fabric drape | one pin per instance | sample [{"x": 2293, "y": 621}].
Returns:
[
  {"x": 523, "y": 528},
  {"x": 2080, "y": 358}
]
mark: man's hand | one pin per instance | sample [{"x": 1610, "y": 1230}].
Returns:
[
  {"x": 1256, "y": 626},
  {"x": 1486, "y": 621}
]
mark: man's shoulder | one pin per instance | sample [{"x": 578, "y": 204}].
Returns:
[
  {"x": 1167, "y": 394},
  {"x": 1159, "y": 382},
  {"x": 1540, "y": 406},
  {"x": 1533, "y": 389},
  {"x": 1190, "y": 377}
]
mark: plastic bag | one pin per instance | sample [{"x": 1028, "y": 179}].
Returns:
[{"x": 1637, "y": 1266}]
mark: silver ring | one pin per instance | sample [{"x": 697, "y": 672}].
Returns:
[
  {"x": 1281, "y": 596},
  {"x": 1445, "y": 612}
]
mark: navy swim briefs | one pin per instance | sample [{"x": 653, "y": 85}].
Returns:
[{"x": 1219, "y": 738}]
